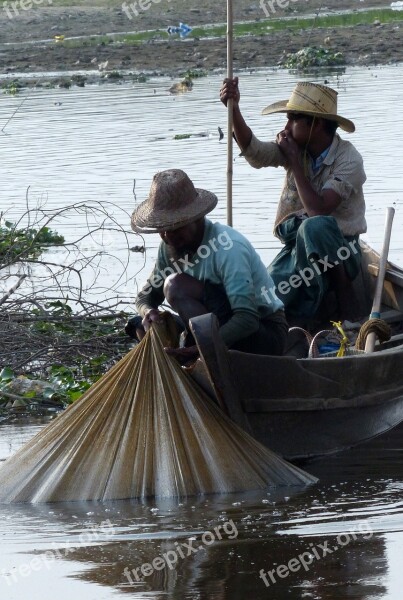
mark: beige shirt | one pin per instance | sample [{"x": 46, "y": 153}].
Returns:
[{"x": 342, "y": 171}]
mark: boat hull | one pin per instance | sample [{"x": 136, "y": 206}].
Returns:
[
  {"x": 306, "y": 434},
  {"x": 306, "y": 407}
]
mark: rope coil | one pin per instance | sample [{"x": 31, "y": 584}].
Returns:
[{"x": 378, "y": 326}]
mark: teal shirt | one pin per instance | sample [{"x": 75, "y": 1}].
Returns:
[{"x": 224, "y": 257}]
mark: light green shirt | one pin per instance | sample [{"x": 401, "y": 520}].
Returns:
[{"x": 224, "y": 257}]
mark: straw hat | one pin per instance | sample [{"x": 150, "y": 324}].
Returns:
[
  {"x": 314, "y": 100},
  {"x": 173, "y": 202}
]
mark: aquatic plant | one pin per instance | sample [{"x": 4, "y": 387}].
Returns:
[
  {"x": 11, "y": 87},
  {"x": 61, "y": 383},
  {"x": 64, "y": 83},
  {"x": 20, "y": 243},
  {"x": 79, "y": 80},
  {"x": 312, "y": 57},
  {"x": 114, "y": 75},
  {"x": 194, "y": 73}
]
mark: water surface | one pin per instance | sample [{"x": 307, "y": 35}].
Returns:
[{"x": 89, "y": 145}]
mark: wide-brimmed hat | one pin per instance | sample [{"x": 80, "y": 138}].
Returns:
[
  {"x": 314, "y": 100},
  {"x": 173, "y": 202}
]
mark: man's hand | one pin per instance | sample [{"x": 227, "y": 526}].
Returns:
[
  {"x": 183, "y": 355},
  {"x": 242, "y": 133},
  {"x": 230, "y": 90},
  {"x": 152, "y": 315},
  {"x": 288, "y": 147}
]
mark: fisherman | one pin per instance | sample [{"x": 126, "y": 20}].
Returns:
[
  {"x": 321, "y": 210},
  {"x": 205, "y": 267}
]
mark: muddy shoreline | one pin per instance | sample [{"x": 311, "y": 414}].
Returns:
[{"x": 22, "y": 51}]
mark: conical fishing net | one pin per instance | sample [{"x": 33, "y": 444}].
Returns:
[{"x": 144, "y": 429}]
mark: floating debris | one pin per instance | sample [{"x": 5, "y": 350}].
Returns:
[
  {"x": 182, "y": 136},
  {"x": 183, "y": 30},
  {"x": 102, "y": 66},
  {"x": 186, "y": 85},
  {"x": 138, "y": 249}
]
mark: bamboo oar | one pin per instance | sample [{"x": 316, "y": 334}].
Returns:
[
  {"x": 376, "y": 306},
  {"x": 230, "y": 30}
]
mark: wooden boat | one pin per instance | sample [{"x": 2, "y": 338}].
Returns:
[{"x": 305, "y": 407}]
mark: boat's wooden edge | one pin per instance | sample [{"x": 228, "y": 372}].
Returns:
[
  {"x": 393, "y": 275},
  {"x": 271, "y": 405},
  {"x": 214, "y": 355}
]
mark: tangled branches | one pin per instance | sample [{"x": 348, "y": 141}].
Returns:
[{"x": 62, "y": 303}]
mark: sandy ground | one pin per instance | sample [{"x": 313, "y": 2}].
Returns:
[{"x": 22, "y": 47}]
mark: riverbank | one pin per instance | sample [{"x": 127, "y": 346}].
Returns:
[{"x": 46, "y": 38}]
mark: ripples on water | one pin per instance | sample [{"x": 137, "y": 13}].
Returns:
[
  {"x": 90, "y": 144},
  {"x": 91, "y": 147}
]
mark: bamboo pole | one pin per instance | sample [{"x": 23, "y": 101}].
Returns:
[
  {"x": 230, "y": 32},
  {"x": 376, "y": 306}
]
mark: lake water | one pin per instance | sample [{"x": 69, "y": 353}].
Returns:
[
  {"x": 345, "y": 533},
  {"x": 90, "y": 144}
]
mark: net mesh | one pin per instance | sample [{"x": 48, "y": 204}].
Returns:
[{"x": 144, "y": 429}]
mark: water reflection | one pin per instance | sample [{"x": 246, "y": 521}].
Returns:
[
  {"x": 272, "y": 530},
  {"x": 359, "y": 494}
]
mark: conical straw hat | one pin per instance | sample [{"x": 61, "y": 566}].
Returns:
[
  {"x": 314, "y": 100},
  {"x": 144, "y": 429}
]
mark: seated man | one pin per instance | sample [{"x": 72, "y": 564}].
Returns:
[
  {"x": 206, "y": 267},
  {"x": 321, "y": 210}
]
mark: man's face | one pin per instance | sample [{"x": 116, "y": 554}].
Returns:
[
  {"x": 301, "y": 128},
  {"x": 184, "y": 239}
]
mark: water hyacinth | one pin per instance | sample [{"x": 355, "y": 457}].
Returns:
[{"x": 312, "y": 57}]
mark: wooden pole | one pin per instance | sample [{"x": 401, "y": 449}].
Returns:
[
  {"x": 230, "y": 32},
  {"x": 376, "y": 306}
]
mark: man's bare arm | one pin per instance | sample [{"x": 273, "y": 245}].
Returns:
[{"x": 243, "y": 133}]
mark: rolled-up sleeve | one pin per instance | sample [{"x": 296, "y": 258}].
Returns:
[
  {"x": 263, "y": 154},
  {"x": 151, "y": 295}
]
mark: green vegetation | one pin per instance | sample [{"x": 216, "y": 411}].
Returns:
[
  {"x": 312, "y": 57},
  {"x": 19, "y": 244},
  {"x": 65, "y": 383},
  {"x": 53, "y": 346},
  {"x": 194, "y": 74},
  {"x": 79, "y": 80},
  {"x": 262, "y": 27},
  {"x": 11, "y": 87},
  {"x": 61, "y": 383}
]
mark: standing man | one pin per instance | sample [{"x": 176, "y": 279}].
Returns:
[
  {"x": 321, "y": 210},
  {"x": 206, "y": 267}
]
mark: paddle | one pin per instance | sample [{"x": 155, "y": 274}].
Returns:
[
  {"x": 376, "y": 306},
  {"x": 230, "y": 27}
]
